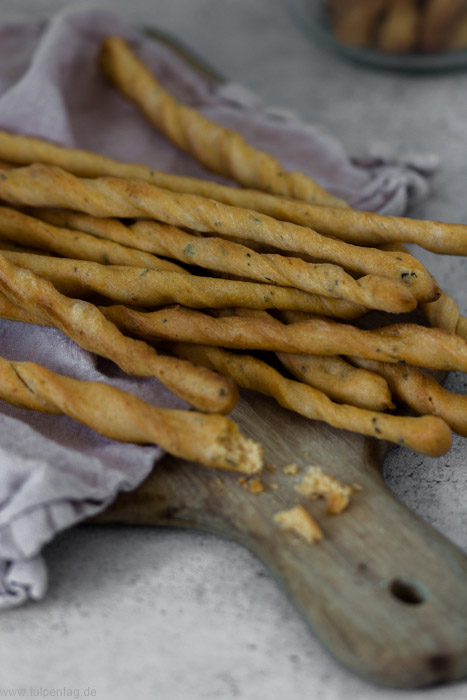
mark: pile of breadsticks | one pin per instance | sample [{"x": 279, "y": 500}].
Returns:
[
  {"x": 125, "y": 259},
  {"x": 400, "y": 26}
]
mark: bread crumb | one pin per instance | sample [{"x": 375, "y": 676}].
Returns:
[
  {"x": 242, "y": 480},
  {"x": 300, "y": 521},
  {"x": 270, "y": 468},
  {"x": 255, "y": 485},
  {"x": 291, "y": 469},
  {"x": 273, "y": 486},
  {"x": 316, "y": 484}
]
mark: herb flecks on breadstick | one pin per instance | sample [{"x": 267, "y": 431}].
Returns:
[
  {"x": 212, "y": 440},
  {"x": 427, "y": 434},
  {"x": 421, "y": 392},
  {"x": 42, "y": 185},
  {"x": 405, "y": 342},
  {"x": 29, "y": 231},
  {"x": 143, "y": 287},
  {"x": 220, "y": 150},
  {"x": 86, "y": 325}
]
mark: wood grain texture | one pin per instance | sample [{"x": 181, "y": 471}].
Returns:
[{"x": 384, "y": 592}]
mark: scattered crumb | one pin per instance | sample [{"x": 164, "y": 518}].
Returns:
[
  {"x": 300, "y": 521},
  {"x": 241, "y": 480},
  {"x": 273, "y": 486},
  {"x": 316, "y": 484},
  {"x": 270, "y": 468},
  {"x": 356, "y": 487},
  {"x": 291, "y": 469},
  {"x": 255, "y": 485}
]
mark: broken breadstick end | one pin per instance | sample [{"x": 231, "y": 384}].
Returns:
[
  {"x": 315, "y": 484},
  {"x": 301, "y": 522}
]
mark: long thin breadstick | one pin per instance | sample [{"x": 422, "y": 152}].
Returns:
[
  {"x": 42, "y": 185},
  {"x": 421, "y": 392},
  {"x": 404, "y": 342},
  {"x": 427, "y": 434},
  {"x": 143, "y": 287},
  {"x": 220, "y": 150},
  {"x": 325, "y": 279},
  {"x": 336, "y": 377},
  {"x": 86, "y": 325},
  {"x": 152, "y": 239},
  {"x": 442, "y": 313},
  {"x": 353, "y": 226},
  {"x": 213, "y": 440},
  {"x": 29, "y": 231},
  {"x": 225, "y": 256}
]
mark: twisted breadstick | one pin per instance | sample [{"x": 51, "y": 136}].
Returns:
[
  {"x": 353, "y": 226},
  {"x": 421, "y": 392},
  {"x": 212, "y": 440},
  {"x": 84, "y": 323},
  {"x": 29, "y": 231},
  {"x": 221, "y": 150},
  {"x": 442, "y": 313},
  {"x": 428, "y": 434},
  {"x": 403, "y": 342},
  {"x": 41, "y": 185},
  {"x": 332, "y": 375},
  {"x": 224, "y": 256},
  {"x": 143, "y": 287}
]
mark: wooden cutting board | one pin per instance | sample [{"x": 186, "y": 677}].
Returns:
[{"x": 384, "y": 591}]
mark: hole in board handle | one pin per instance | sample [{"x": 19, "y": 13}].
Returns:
[{"x": 408, "y": 591}]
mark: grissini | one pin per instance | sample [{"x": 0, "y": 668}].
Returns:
[
  {"x": 42, "y": 185},
  {"x": 421, "y": 392},
  {"x": 336, "y": 377},
  {"x": 143, "y": 287},
  {"x": 403, "y": 342},
  {"x": 427, "y": 434},
  {"x": 30, "y": 231},
  {"x": 351, "y": 225},
  {"x": 221, "y": 255},
  {"x": 212, "y": 440},
  {"x": 220, "y": 150},
  {"x": 35, "y": 300}
]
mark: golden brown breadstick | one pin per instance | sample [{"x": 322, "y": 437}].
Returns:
[
  {"x": 398, "y": 31},
  {"x": 421, "y": 392},
  {"x": 143, "y": 287},
  {"x": 224, "y": 256},
  {"x": 213, "y": 440},
  {"x": 220, "y": 150},
  {"x": 42, "y": 185},
  {"x": 353, "y": 226},
  {"x": 29, "y": 231},
  {"x": 332, "y": 375},
  {"x": 403, "y": 342},
  {"x": 428, "y": 434},
  {"x": 442, "y": 313},
  {"x": 85, "y": 324}
]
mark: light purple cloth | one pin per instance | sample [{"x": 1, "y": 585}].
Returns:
[{"x": 53, "y": 471}]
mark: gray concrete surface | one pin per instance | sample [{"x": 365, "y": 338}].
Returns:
[{"x": 174, "y": 615}]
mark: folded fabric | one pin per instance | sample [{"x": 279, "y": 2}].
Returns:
[{"x": 55, "y": 472}]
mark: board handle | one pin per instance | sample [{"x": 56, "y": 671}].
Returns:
[{"x": 384, "y": 591}]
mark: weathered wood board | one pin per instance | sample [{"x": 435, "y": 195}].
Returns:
[{"x": 384, "y": 591}]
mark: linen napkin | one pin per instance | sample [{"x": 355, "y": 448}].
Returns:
[{"x": 53, "y": 471}]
